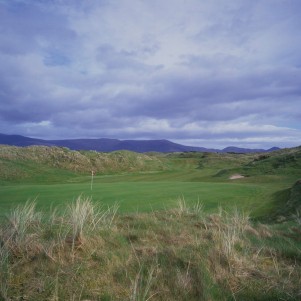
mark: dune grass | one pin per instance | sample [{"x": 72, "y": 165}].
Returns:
[{"x": 87, "y": 252}]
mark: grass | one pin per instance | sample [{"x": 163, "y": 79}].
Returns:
[
  {"x": 40, "y": 164},
  {"x": 142, "y": 196},
  {"x": 160, "y": 255},
  {"x": 181, "y": 231},
  {"x": 144, "y": 182}
]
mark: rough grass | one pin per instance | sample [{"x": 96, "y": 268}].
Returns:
[
  {"x": 92, "y": 253},
  {"x": 35, "y": 163},
  {"x": 282, "y": 162}
]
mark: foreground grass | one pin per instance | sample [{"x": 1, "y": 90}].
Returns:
[{"x": 89, "y": 252}]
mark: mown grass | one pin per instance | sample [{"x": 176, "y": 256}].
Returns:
[
  {"x": 87, "y": 252},
  {"x": 142, "y": 196}
]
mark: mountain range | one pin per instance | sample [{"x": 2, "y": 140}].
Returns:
[{"x": 108, "y": 145}]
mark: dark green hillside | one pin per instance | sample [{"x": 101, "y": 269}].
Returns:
[
  {"x": 294, "y": 202},
  {"x": 286, "y": 162},
  {"x": 223, "y": 160},
  {"x": 289, "y": 201}
]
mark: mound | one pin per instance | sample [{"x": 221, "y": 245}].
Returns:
[
  {"x": 290, "y": 202},
  {"x": 28, "y": 162},
  {"x": 294, "y": 202}
]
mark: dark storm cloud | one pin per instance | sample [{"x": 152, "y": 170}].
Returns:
[{"x": 200, "y": 97}]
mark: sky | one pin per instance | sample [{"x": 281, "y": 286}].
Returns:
[{"x": 205, "y": 73}]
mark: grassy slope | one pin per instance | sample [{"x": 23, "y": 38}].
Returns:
[
  {"x": 286, "y": 162},
  {"x": 40, "y": 164}
]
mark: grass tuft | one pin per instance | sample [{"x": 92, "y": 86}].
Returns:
[
  {"x": 181, "y": 254},
  {"x": 140, "y": 289},
  {"x": 184, "y": 209}
]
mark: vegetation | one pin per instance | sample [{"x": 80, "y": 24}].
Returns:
[
  {"x": 37, "y": 164},
  {"x": 183, "y": 231},
  {"x": 89, "y": 252},
  {"x": 144, "y": 182},
  {"x": 282, "y": 162}
]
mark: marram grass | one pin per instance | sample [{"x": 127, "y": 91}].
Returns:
[{"x": 94, "y": 253}]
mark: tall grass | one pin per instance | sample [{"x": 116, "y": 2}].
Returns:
[
  {"x": 88, "y": 252},
  {"x": 140, "y": 289},
  {"x": 84, "y": 217},
  {"x": 183, "y": 208},
  {"x": 234, "y": 224},
  {"x": 22, "y": 229},
  {"x": 81, "y": 216},
  {"x": 23, "y": 217},
  {"x": 4, "y": 273}
]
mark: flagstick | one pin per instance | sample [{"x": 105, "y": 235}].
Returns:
[{"x": 92, "y": 174}]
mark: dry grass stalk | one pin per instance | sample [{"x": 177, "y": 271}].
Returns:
[
  {"x": 184, "y": 253},
  {"x": 4, "y": 273},
  {"x": 23, "y": 230},
  {"x": 22, "y": 217},
  {"x": 141, "y": 287},
  {"x": 184, "y": 209}
]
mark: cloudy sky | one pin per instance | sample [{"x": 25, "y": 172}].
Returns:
[{"x": 206, "y": 73}]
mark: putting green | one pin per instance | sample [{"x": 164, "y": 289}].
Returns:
[{"x": 142, "y": 196}]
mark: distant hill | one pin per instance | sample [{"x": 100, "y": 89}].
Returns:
[
  {"x": 109, "y": 145},
  {"x": 233, "y": 149}
]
